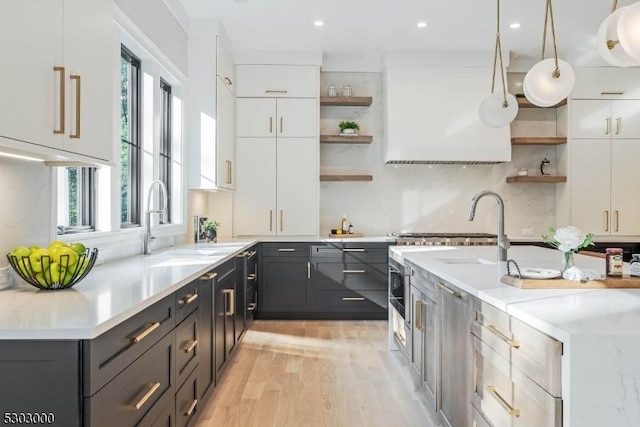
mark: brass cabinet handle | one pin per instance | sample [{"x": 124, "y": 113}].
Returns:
[
  {"x": 281, "y": 219},
  {"x": 230, "y": 308},
  {"x": 353, "y": 271},
  {"x": 352, "y": 298},
  {"x": 78, "y": 108},
  {"x": 191, "y": 408},
  {"x": 354, "y": 250},
  {"x": 61, "y": 70},
  {"x": 270, "y": 220},
  {"x": 142, "y": 335},
  {"x": 228, "y": 180},
  {"x": 615, "y": 92},
  {"x": 286, "y": 250},
  {"x": 510, "y": 410},
  {"x": 618, "y": 125},
  {"x": 228, "y": 81},
  {"x": 270, "y": 124},
  {"x": 606, "y": 220},
  {"x": 607, "y": 125},
  {"x": 281, "y": 121},
  {"x": 252, "y": 306},
  {"x": 450, "y": 291},
  {"x": 208, "y": 276},
  {"x": 418, "y": 314},
  {"x": 275, "y": 91},
  {"x": 503, "y": 337},
  {"x": 140, "y": 403},
  {"x": 251, "y": 277},
  {"x": 308, "y": 270},
  {"x": 616, "y": 215},
  {"x": 191, "y": 346},
  {"x": 188, "y": 299}
]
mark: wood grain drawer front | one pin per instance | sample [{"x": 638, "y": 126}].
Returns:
[
  {"x": 344, "y": 300},
  {"x": 537, "y": 407},
  {"x": 187, "y": 401},
  {"x": 350, "y": 252},
  {"x": 294, "y": 250},
  {"x": 539, "y": 356},
  {"x": 422, "y": 281},
  {"x": 477, "y": 420},
  {"x": 187, "y": 350},
  {"x": 493, "y": 327},
  {"x": 354, "y": 276},
  {"x": 107, "y": 355},
  {"x": 492, "y": 386},
  {"x": 143, "y": 389},
  {"x": 187, "y": 300}
]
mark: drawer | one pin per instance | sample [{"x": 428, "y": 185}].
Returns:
[
  {"x": 187, "y": 350},
  {"x": 283, "y": 249},
  {"x": 422, "y": 280},
  {"x": 345, "y": 300},
  {"x": 351, "y": 252},
  {"x": 477, "y": 420},
  {"x": 145, "y": 388},
  {"x": 537, "y": 407},
  {"x": 166, "y": 419},
  {"x": 539, "y": 357},
  {"x": 493, "y": 327},
  {"x": 354, "y": 276},
  {"x": 107, "y": 355},
  {"x": 282, "y": 81},
  {"x": 187, "y": 401},
  {"x": 491, "y": 382},
  {"x": 186, "y": 300}
]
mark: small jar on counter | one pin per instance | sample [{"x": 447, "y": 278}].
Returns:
[
  {"x": 635, "y": 265},
  {"x": 614, "y": 262}
]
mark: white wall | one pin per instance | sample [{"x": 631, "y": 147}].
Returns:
[{"x": 422, "y": 197}]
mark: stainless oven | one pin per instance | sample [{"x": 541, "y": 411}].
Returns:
[{"x": 398, "y": 307}]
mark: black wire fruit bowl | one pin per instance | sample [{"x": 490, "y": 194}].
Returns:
[{"x": 52, "y": 273}]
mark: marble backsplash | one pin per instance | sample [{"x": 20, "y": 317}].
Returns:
[{"x": 427, "y": 198}]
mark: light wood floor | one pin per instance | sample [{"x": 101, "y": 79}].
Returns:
[{"x": 316, "y": 373}]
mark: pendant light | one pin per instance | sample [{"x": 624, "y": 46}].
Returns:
[
  {"x": 609, "y": 42},
  {"x": 498, "y": 109},
  {"x": 551, "y": 80},
  {"x": 629, "y": 31}
]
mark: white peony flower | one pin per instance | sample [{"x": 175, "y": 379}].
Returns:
[{"x": 569, "y": 238}]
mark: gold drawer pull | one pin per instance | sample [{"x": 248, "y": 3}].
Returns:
[
  {"x": 188, "y": 299},
  {"x": 352, "y": 298},
  {"x": 275, "y": 91},
  {"x": 354, "y": 271},
  {"x": 192, "y": 408},
  {"x": 209, "y": 276},
  {"x": 193, "y": 345},
  {"x": 354, "y": 250},
  {"x": 612, "y": 92},
  {"x": 142, "y": 335},
  {"x": 506, "y": 339},
  {"x": 252, "y": 306},
  {"x": 147, "y": 396},
  {"x": 510, "y": 410},
  {"x": 286, "y": 250},
  {"x": 251, "y": 277},
  {"x": 450, "y": 291},
  {"x": 228, "y": 81}
]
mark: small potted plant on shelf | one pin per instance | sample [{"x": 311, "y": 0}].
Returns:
[
  {"x": 211, "y": 229},
  {"x": 349, "y": 128}
]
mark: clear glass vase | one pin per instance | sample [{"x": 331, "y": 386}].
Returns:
[{"x": 567, "y": 261}]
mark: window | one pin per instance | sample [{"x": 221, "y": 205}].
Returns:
[
  {"x": 130, "y": 113},
  {"x": 76, "y": 199},
  {"x": 165, "y": 144}
]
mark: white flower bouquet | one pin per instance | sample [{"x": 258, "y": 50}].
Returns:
[{"x": 568, "y": 239}]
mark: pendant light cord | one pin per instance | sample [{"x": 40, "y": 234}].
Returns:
[
  {"x": 497, "y": 53},
  {"x": 549, "y": 16},
  {"x": 615, "y": 6}
]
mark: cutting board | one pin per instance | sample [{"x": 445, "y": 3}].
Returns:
[
  {"x": 346, "y": 235},
  {"x": 608, "y": 283}
]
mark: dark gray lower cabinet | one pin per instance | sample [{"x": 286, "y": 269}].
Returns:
[
  {"x": 167, "y": 417},
  {"x": 206, "y": 367},
  {"x": 187, "y": 401},
  {"x": 285, "y": 284},
  {"x": 224, "y": 314}
]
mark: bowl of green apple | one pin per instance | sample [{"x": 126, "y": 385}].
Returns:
[{"x": 59, "y": 266}]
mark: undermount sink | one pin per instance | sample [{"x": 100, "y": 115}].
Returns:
[{"x": 467, "y": 261}]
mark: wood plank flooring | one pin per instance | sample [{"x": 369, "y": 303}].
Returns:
[{"x": 316, "y": 373}]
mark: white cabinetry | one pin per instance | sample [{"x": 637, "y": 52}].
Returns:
[
  {"x": 58, "y": 91},
  {"x": 277, "y": 152},
  {"x": 593, "y": 118}
]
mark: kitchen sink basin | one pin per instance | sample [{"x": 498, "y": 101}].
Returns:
[{"x": 467, "y": 261}]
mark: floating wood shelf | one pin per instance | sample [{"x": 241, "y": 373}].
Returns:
[
  {"x": 346, "y": 101},
  {"x": 551, "y": 179},
  {"x": 529, "y": 140},
  {"x": 346, "y": 178},
  {"x": 339, "y": 139},
  {"x": 523, "y": 102}
]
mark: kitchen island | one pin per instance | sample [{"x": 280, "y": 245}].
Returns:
[{"x": 598, "y": 329}]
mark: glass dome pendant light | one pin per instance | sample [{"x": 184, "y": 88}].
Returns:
[
  {"x": 629, "y": 31},
  {"x": 498, "y": 109},
  {"x": 613, "y": 30},
  {"x": 551, "y": 80}
]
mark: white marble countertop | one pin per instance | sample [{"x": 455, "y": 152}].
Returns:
[{"x": 111, "y": 293}]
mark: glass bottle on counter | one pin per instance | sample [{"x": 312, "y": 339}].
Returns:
[
  {"x": 614, "y": 262},
  {"x": 635, "y": 265}
]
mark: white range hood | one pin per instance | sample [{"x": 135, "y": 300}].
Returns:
[{"x": 431, "y": 113}]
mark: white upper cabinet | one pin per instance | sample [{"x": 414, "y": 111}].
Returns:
[
  {"x": 606, "y": 83},
  {"x": 58, "y": 90},
  {"x": 225, "y": 68},
  {"x": 269, "y": 117},
  {"x": 225, "y": 135},
  {"x": 281, "y": 81},
  {"x": 592, "y": 118}
]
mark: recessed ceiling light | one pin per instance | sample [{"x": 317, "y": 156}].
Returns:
[
  {"x": 422, "y": 24},
  {"x": 514, "y": 25},
  {"x": 318, "y": 23}
]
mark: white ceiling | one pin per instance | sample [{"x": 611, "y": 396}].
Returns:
[{"x": 373, "y": 26}]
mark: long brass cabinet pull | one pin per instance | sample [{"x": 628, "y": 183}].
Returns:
[
  {"x": 140, "y": 403},
  {"x": 354, "y": 271},
  {"x": 450, "y": 291},
  {"x": 76, "y": 77},
  {"x": 502, "y": 337},
  {"x": 352, "y": 298},
  {"x": 286, "y": 250},
  {"x": 191, "y": 346},
  {"x": 418, "y": 314},
  {"x": 229, "y": 309},
  {"x": 270, "y": 124},
  {"x": 615, "y": 92},
  {"x": 281, "y": 219},
  {"x": 270, "y": 220},
  {"x": 142, "y": 335},
  {"x": 281, "y": 124},
  {"x": 275, "y": 91},
  {"x": 618, "y": 125},
  {"x": 606, "y": 220},
  {"x": 608, "y": 125},
  {"x": 228, "y": 180},
  {"x": 616, "y": 218},
  {"x": 191, "y": 408},
  {"x": 353, "y": 250},
  {"x": 188, "y": 299},
  {"x": 308, "y": 270},
  {"x": 510, "y": 410},
  {"x": 61, "y": 105}
]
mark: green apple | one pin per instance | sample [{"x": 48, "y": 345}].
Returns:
[
  {"x": 58, "y": 243},
  {"x": 55, "y": 271},
  {"x": 20, "y": 255},
  {"x": 40, "y": 278},
  {"x": 79, "y": 248},
  {"x": 67, "y": 256},
  {"x": 54, "y": 252},
  {"x": 40, "y": 260},
  {"x": 19, "y": 252},
  {"x": 34, "y": 248}
]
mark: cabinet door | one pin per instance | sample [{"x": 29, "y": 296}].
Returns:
[
  {"x": 225, "y": 135},
  {"x": 88, "y": 54},
  {"x": 417, "y": 331},
  {"x": 256, "y": 117},
  {"x": 225, "y": 68},
  {"x": 206, "y": 372},
  {"x": 293, "y": 81},
  {"x": 591, "y": 119},
  {"x": 284, "y": 284},
  {"x": 591, "y": 185},
  {"x": 219, "y": 313},
  {"x": 31, "y": 31},
  {"x": 430, "y": 350},
  {"x": 297, "y": 117},
  {"x": 297, "y": 186},
  {"x": 255, "y": 196},
  {"x": 625, "y": 117},
  {"x": 625, "y": 174},
  {"x": 230, "y": 316}
]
